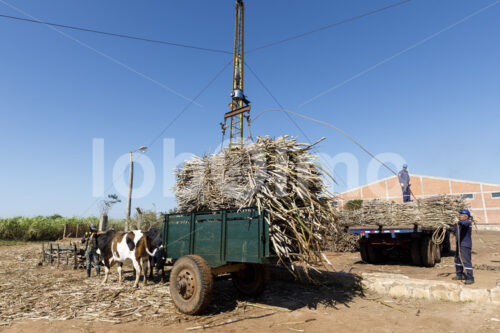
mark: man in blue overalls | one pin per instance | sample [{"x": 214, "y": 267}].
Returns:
[
  {"x": 404, "y": 181},
  {"x": 464, "y": 247}
]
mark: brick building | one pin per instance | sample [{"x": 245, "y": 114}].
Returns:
[{"x": 484, "y": 197}]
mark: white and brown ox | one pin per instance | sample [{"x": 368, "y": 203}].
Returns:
[{"x": 118, "y": 246}]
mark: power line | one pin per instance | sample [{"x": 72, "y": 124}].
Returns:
[
  {"x": 341, "y": 132},
  {"x": 200, "y": 48},
  {"x": 274, "y": 98},
  {"x": 127, "y": 67},
  {"x": 219, "y": 73},
  {"x": 117, "y": 35},
  {"x": 289, "y": 117},
  {"x": 397, "y": 54},
  {"x": 331, "y": 126},
  {"x": 329, "y": 26}
]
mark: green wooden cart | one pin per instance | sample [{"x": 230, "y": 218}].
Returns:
[{"x": 206, "y": 244}]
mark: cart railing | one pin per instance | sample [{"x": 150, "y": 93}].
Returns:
[{"x": 220, "y": 237}]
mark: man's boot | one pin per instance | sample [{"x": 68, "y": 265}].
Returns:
[
  {"x": 469, "y": 281},
  {"x": 458, "y": 277}
]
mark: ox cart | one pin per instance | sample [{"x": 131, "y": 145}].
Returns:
[{"x": 204, "y": 245}]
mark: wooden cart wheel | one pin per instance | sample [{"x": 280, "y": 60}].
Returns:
[
  {"x": 416, "y": 258},
  {"x": 252, "y": 280},
  {"x": 373, "y": 254},
  {"x": 363, "y": 251},
  {"x": 191, "y": 284},
  {"x": 437, "y": 253},
  {"x": 427, "y": 249}
]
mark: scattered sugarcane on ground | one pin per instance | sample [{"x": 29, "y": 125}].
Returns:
[
  {"x": 432, "y": 212},
  {"x": 31, "y": 291},
  {"x": 49, "y": 299},
  {"x": 278, "y": 175}
]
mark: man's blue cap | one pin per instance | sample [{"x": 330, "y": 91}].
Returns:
[
  {"x": 464, "y": 211},
  {"x": 405, "y": 165}
]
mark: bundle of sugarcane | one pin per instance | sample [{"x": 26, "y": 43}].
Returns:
[
  {"x": 341, "y": 242},
  {"x": 432, "y": 212},
  {"x": 278, "y": 175}
]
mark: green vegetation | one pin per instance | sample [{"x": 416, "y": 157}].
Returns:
[
  {"x": 150, "y": 219},
  {"x": 11, "y": 242},
  {"x": 354, "y": 204},
  {"x": 47, "y": 228}
]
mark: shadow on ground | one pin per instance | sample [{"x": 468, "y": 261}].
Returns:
[
  {"x": 400, "y": 259},
  {"x": 286, "y": 291}
]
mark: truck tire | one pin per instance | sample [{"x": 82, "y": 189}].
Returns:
[
  {"x": 427, "y": 249},
  {"x": 373, "y": 254},
  {"x": 437, "y": 253},
  {"x": 363, "y": 251},
  {"x": 191, "y": 284},
  {"x": 416, "y": 258},
  {"x": 252, "y": 280}
]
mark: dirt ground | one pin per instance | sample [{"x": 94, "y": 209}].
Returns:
[
  {"x": 51, "y": 299},
  {"x": 485, "y": 260}
]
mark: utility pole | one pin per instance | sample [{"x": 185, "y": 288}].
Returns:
[
  {"x": 130, "y": 183},
  {"x": 240, "y": 108}
]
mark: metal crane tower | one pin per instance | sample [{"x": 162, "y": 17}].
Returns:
[{"x": 240, "y": 108}]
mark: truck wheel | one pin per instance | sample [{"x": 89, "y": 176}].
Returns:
[
  {"x": 373, "y": 254},
  {"x": 437, "y": 253},
  {"x": 416, "y": 259},
  {"x": 252, "y": 280},
  {"x": 363, "y": 251},
  {"x": 191, "y": 284},
  {"x": 427, "y": 249}
]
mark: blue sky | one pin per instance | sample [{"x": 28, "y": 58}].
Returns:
[{"x": 436, "y": 105}]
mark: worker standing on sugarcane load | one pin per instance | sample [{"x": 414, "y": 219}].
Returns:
[
  {"x": 404, "y": 181},
  {"x": 90, "y": 238},
  {"x": 463, "y": 233}
]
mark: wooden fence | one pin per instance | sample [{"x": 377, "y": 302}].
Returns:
[{"x": 69, "y": 254}]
